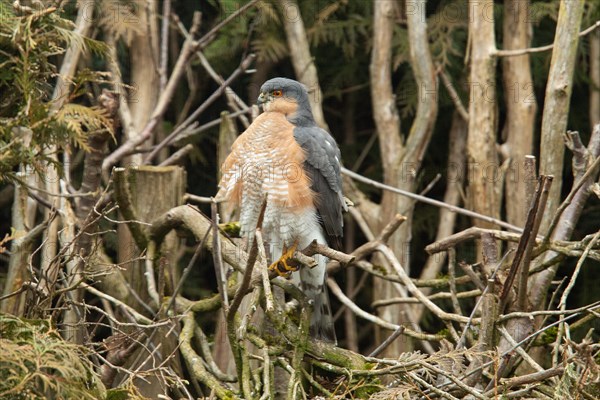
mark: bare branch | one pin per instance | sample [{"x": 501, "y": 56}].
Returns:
[
  {"x": 519, "y": 52},
  {"x": 430, "y": 201}
]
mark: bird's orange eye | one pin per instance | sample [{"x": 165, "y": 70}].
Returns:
[{"x": 277, "y": 93}]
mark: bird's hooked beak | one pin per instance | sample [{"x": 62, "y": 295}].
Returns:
[{"x": 262, "y": 98}]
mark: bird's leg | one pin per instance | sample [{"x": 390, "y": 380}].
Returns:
[{"x": 286, "y": 263}]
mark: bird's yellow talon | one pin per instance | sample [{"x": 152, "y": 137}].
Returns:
[{"x": 286, "y": 263}]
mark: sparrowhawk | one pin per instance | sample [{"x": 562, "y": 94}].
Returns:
[{"x": 287, "y": 160}]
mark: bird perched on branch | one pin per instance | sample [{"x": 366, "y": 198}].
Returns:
[{"x": 287, "y": 161}]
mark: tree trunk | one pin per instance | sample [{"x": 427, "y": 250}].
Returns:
[
  {"x": 401, "y": 160},
  {"x": 387, "y": 122},
  {"x": 521, "y": 108},
  {"x": 594, "y": 78},
  {"x": 152, "y": 191},
  {"x": 454, "y": 184},
  {"x": 557, "y": 100},
  {"x": 139, "y": 108},
  {"x": 554, "y": 125},
  {"x": 482, "y": 162},
  {"x": 302, "y": 60},
  {"x": 144, "y": 67},
  {"x": 23, "y": 219}
]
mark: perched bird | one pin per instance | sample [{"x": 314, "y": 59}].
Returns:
[{"x": 285, "y": 159}]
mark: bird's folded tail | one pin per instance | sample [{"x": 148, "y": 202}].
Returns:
[{"x": 321, "y": 319}]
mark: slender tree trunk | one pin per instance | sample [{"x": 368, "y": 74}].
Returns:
[
  {"x": 387, "y": 122},
  {"x": 455, "y": 179},
  {"x": 144, "y": 66},
  {"x": 594, "y": 78},
  {"x": 23, "y": 218},
  {"x": 139, "y": 108},
  {"x": 557, "y": 99},
  {"x": 49, "y": 266},
  {"x": 350, "y": 229},
  {"x": 482, "y": 162},
  {"x": 401, "y": 159},
  {"x": 521, "y": 107},
  {"x": 302, "y": 60},
  {"x": 554, "y": 125}
]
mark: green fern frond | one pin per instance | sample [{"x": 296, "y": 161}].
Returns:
[
  {"x": 400, "y": 46},
  {"x": 407, "y": 94},
  {"x": 328, "y": 11},
  {"x": 119, "y": 19},
  {"x": 7, "y": 16},
  {"x": 83, "y": 43},
  {"x": 82, "y": 120},
  {"x": 448, "y": 31},
  {"x": 36, "y": 361},
  {"x": 267, "y": 13},
  {"x": 270, "y": 48},
  {"x": 346, "y": 34}
]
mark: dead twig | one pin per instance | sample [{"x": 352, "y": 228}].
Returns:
[{"x": 523, "y": 254}]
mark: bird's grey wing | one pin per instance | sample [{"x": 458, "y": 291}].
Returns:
[{"x": 323, "y": 167}]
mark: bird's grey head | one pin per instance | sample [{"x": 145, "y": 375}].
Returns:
[{"x": 286, "y": 96}]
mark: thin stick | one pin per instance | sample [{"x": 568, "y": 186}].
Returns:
[
  {"x": 265, "y": 272},
  {"x": 452, "y": 286},
  {"x": 197, "y": 199},
  {"x": 337, "y": 291},
  {"x": 463, "y": 336},
  {"x": 215, "y": 122},
  {"x": 520, "y": 350},
  {"x": 187, "y": 270},
  {"x": 387, "y": 342},
  {"x": 245, "y": 284},
  {"x": 209, "y": 36},
  {"x": 534, "y": 218},
  {"x": 387, "y": 252},
  {"x": 216, "y": 94},
  {"x": 436, "y": 296},
  {"x": 590, "y": 171},
  {"x": 178, "y": 156},
  {"x": 237, "y": 102},
  {"x": 591, "y": 244},
  {"x": 164, "y": 44},
  {"x": 460, "y": 108},
  {"x": 430, "y": 201},
  {"x": 520, "y": 52},
  {"x": 162, "y": 103},
  {"x": 565, "y": 295}
]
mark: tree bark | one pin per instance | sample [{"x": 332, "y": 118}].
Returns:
[
  {"x": 401, "y": 159},
  {"x": 151, "y": 191},
  {"x": 482, "y": 162},
  {"x": 139, "y": 108},
  {"x": 48, "y": 263},
  {"x": 557, "y": 100},
  {"x": 521, "y": 108},
  {"x": 23, "y": 218},
  {"x": 454, "y": 181},
  {"x": 144, "y": 67},
  {"x": 554, "y": 124},
  {"x": 387, "y": 122},
  {"x": 302, "y": 60},
  {"x": 594, "y": 78}
]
